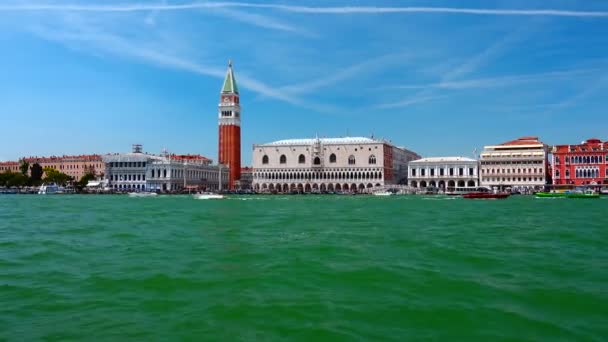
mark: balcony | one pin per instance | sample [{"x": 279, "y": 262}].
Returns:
[{"x": 519, "y": 158}]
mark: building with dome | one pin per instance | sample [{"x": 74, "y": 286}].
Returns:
[
  {"x": 445, "y": 173},
  {"x": 350, "y": 164}
]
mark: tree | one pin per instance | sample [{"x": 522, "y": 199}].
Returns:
[
  {"x": 18, "y": 180},
  {"x": 4, "y": 177},
  {"x": 85, "y": 180},
  {"x": 90, "y": 169},
  {"x": 36, "y": 173},
  {"x": 54, "y": 176},
  {"x": 10, "y": 179},
  {"x": 24, "y": 166}
]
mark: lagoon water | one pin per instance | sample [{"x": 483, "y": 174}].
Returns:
[{"x": 303, "y": 268}]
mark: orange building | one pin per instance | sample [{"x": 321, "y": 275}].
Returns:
[
  {"x": 9, "y": 166},
  {"x": 74, "y": 166},
  {"x": 229, "y": 116}
]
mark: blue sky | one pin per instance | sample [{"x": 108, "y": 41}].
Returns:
[{"x": 439, "y": 77}]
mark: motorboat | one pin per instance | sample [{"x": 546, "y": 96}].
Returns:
[
  {"x": 485, "y": 193},
  {"x": 208, "y": 196},
  {"x": 8, "y": 191},
  {"x": 383, "y": 193},
  {"x": 430, "y": 191},
  {"x": 551, "y": 194},
  {"x": 461, "y": 191},
  {"x": 142, "y": 194},
  {"x": 49, "y": 189}
]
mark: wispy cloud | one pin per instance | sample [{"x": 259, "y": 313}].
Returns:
[
  {"x": 151, "y": 17},
  {"x": 306, "y": 9},
  {"x": 495, "y": 82},
  {"x": 96, "y": 41},
  {"x": 483, "y": 58},
  {"x": 261, "y": 21},
  {"x": 407, "y": 102},
  {"x": 589, "y": 90},
  {"x": 470, "y": 65},
  {"x": 349, "y": 72}
]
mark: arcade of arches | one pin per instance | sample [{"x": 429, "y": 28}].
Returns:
[
  {"x": 443, "y": 184},
  {"x": 312, "y": 181}
]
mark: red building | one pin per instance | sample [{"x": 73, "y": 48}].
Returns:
[
  {"x": 229, "y": 113},
  {"x": 583, "y": 164}
]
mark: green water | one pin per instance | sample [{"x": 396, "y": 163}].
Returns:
[{"x": 303, "y": 268}]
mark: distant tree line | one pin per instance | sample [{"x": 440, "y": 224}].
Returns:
[{"x": 38, "y": 175}]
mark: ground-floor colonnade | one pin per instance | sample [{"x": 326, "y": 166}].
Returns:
[
  {"x": 443, "y": 184},
  {"x": 315, "y": 187}
]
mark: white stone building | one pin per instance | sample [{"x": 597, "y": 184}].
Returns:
[
  {"x": 520, "y": 164},
  {"x": 446, "y": 173},
  {"x": 139, "y": 171},
  {"x": 352, "y": 164}
]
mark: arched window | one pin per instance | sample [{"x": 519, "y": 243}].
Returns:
[
  {"x": 265, "y": 159},
  {"x": 332, "y": 158},
  {"x": 372, "y": 159},
  {"x": 351, "y": 160},
  {"x": 283, "y": 159},
  {"x": 317, "y": 161},
  {"x": 301, "y": 159}
]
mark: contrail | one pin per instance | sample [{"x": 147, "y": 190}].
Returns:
[{"x": 304, "y": 9}]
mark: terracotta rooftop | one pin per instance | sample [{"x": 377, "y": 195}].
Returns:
[
  {"x": 522, "y": 141},
  {"x": 82, "y": 157},
  {"x": 188, "y": 157},
  {"x": 590, "y": 145}
]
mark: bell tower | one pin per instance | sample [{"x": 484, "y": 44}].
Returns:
[{"x": 229, "y": 117}]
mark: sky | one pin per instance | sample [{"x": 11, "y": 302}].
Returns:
[{"x": 437, "y": 77}]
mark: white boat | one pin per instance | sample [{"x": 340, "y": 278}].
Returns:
[
  {"x": 383, "y": 193},
  {"x": 142, "y": 194},
  {"x": 208, "y": 196},
  {"x": 49, "y": 189}
]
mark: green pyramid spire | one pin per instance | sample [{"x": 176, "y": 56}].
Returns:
[{"x": 230, "y": 82}]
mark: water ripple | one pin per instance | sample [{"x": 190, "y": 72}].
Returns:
[{"x": 303, "y": 268}]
